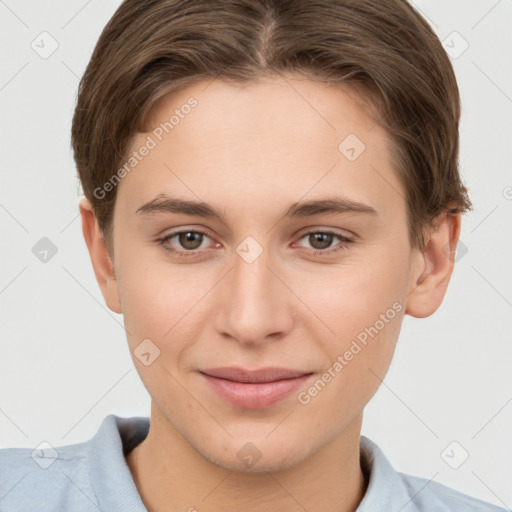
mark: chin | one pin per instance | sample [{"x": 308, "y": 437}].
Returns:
[{"x": 262, "y": 456}]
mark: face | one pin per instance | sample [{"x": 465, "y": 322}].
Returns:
[{"x": 299, "y": 266}]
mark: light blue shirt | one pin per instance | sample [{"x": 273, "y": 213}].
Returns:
[{"x": 94, "y": 476}]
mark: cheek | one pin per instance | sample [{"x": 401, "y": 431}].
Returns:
[
  {"x": 159, "y": 298},
  {"x": 161, "y": 303},
  {"x": 364, "y": 309},
  {"x": 357, "y": 361},
  {"x": 352, "y": 296}
]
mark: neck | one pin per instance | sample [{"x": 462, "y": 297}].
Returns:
[{"x": 172, "y": 476}]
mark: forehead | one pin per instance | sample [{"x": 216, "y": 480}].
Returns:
[
  {"x": 275, "y": 139},
  {"x": 259, "y": 110}
]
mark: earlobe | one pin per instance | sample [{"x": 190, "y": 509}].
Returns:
[
  {"x": 101, "y": 260},
  {"x": 432, "y": 270}
]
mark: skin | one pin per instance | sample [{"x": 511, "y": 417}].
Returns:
[{"x": 252, "y": 151}]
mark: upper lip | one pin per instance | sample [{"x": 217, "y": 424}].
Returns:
[{"x": 254, "y": 376}]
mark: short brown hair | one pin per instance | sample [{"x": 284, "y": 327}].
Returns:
[{"x": 385, "y": 49}]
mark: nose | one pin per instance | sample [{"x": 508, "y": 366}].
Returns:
[{"x": 256, "y": 306}]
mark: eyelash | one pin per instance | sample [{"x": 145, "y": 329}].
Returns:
[{"x": 344, "y": 242}]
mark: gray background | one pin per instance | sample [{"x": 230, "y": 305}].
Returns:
[{"x": 64, "y": 363}]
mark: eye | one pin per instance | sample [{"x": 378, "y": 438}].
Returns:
[
  {"x": 188, "y": 242},
  {"x": 321, "y": 242}
]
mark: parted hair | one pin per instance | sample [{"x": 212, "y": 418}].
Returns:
[{"x": 384, "y": 49}]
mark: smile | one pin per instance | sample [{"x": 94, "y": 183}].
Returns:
[{"x": 255, "y": 389}]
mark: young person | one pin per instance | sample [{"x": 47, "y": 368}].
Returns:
[{"x": 271, "y": 186}]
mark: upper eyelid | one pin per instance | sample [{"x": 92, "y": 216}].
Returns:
[
  {"x": 186, "y": 230},
  {"x": 343, "y": 239},
  {"x": 330, "y": 231}
]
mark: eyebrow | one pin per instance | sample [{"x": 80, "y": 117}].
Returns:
[{"x": 330, "y": 205}]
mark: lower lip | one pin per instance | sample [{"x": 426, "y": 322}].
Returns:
[{"x": 255, "y": 395}]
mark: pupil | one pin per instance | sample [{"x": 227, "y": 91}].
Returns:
[
  {"x": 325, "y": 240},
  {"x": 190, "y": 240}
]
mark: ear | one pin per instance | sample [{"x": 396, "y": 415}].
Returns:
[
  {"x": 433, "y": 266},
  {"x": 100, "y": 257}
]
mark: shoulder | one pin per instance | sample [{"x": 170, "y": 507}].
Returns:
[
  {"x": 389, "y": 490},
  {"x": 50, "y": 477},
  {"x": 429, "y": 495},
  {"x": 88, "y": 476}
]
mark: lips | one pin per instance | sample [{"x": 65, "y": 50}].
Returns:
[
  {"x": 254, "y": 389},
  {"x": 253, "y": 376}
]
